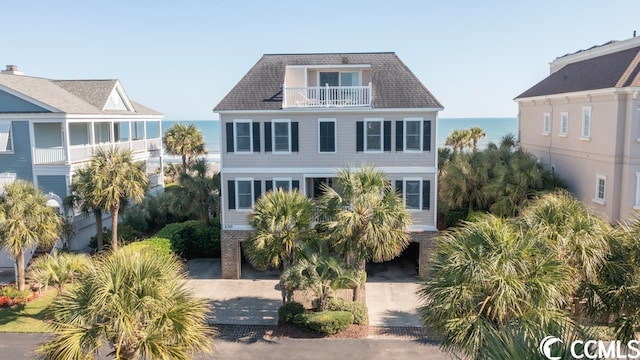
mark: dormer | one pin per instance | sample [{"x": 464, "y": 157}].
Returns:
[{"x": 318, "y": 86}]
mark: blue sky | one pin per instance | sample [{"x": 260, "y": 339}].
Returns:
[{"x": 182, "y": 57}]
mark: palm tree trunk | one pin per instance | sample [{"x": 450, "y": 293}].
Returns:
[
  {"x": 114, "y": 228},
  {"x": 20, "y": 270},
  {"x": 184, "y": 164},
  {"x": 99, "y": 238},
  {"x": 358, "y": 289}
]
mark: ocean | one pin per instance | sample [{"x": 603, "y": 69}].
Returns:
[{"x": 495, "y": 128}]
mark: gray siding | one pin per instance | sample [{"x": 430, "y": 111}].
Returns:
[
  {"x": 12, "y": 104},
  {"x": 19, "y": 161},
  {"x": 56, "y": 184}
]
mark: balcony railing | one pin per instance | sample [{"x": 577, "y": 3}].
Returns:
[
  {"x": 326, "y": 96},
  {"x": 49, "y": 156}
]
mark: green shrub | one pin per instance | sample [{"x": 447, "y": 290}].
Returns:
[
  {"x": 169, "y": 230},
  {"x": 288, "y": 311},
  {"x": 11, "y": 291},
  {"x": 126, "y": 234},
  {"x": 193, "y": 239},
  {"x": 161, "y": 246},
  {"x": 359, "y": 310},
  {"x": 328, "y": 322}
]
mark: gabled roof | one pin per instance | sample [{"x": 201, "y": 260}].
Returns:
[
  {"x": 68, "y": 96},
  {"x": 393, "y": 84},
  {"x": 614, "y": 70}
]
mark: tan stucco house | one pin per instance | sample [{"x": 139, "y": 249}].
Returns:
[
  {"x": 583, "y": 122},
  {"x": 294, "y": 119}
]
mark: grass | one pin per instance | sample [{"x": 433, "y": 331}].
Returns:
[{"x": 27, "y": 318}]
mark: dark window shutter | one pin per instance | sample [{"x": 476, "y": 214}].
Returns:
[
  {"x": 294, "y": 136},
  {"x": 387, "y": 136},
  {"x": 229, "y": 137},
  {"x": 399, "y": 186},
  {"x": 426, "y": 135},
  {"x": 426, "y": 194},
  {"x": 267, "y": 137},
  {"x": 257, "y": 189},
  {"x": 331, "y": 136},
  {"x": 256, "y": 137},
  {"x": 268, "y": 186},
  {"x": 232, "y": 194},
  {"x": 360, "y": 136},
  {"x": 399, "y": 135},
  {"x": 295, "y": 184}
]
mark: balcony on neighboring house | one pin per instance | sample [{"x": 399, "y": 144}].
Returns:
[
  {"x": 52, "y": 147},
  {"x": 327, "y": 86}
]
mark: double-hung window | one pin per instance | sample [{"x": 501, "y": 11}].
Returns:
[
  {"x": 373, "y": 134},
  {"x": 281, "y": 133},
  {"x": 282, "y": 183},
  {"x": 6, "y": 143},
  {"x": 601, "y": 186},
  {"x": 564, "y": 123},
  {"x": 244, "y": 194},
  {"x": 243, "y": 131},
  {"x": 413, "y": 134},
  {"x": 586, "y": 123},
  {"x": 412, "y": 194},
  {"x": 546, "y": 124},
  {"x": 327, "y": 135}
]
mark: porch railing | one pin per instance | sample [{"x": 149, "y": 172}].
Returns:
[
  {"x": 46, "y": 156},
  {"x": 326, "y": 96}
]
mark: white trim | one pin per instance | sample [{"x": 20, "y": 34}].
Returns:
[
  {"x": 9, "y": 139},
  {"x": 287, "y": 179},
  {"x": 546, "y": 120},
  {"x": 404, "y": 193},
  {"x": 250, "y": 180},
  {"x": 564, "y": 132},
  {"x": 596, "y": 199},
  {"x": 335, "y": 135},
  {"x": 326, "y": 170},
  {"x": 420, "y": 228},
  {"x": 587, "y": 136},
  {"x": 636, "y": 206},
  {"x": 420, "y": 134},
  {"x": 337, "y": 66},
  {"x": 273, "y": 135},
  {"x": 596, "y": 51},
  {"x": 235, "y": 136},
  {"x": 364, "y": 133},
  {"x": 435, "y": 178},
  {"x": 223, "y": 200},
  {"x": 576, "y": 94},
  {"x": 327, "y": 110}
]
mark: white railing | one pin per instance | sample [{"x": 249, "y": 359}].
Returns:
[
  {"x": 326, "y": 96},
  {"x": 46, "y": 156},
  {"x": 85, "y": 152}
]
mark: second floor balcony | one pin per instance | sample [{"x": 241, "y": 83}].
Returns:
[{"x": 326, "y": 96}]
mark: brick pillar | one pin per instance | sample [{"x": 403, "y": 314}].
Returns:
[
  {"x": 427, "y": 247},
  {"x": 230, "y": 252}
]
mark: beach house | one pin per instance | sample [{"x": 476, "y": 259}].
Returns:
[
  {"x": 583, "y": 122},
  {"x": 294, "y": 119},
  {"x": 50, "y": 128}
]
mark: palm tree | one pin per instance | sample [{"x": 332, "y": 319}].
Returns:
[
  {"x": 134, "y": 301},
  {"x": 26, "y": 222},
  {"x": 475, "y": 134},
  {"x": 488, "y": 275},
  {"x": 463, "y": 182},
  {"x": 198, "y": 193},
  {"x": 184, "y": 140},
  {"x": 115, "y": 176},
  {"x": 58, "y": 269},
  {"x": 458, "y": 140},
  {"x": 83, "y": 195},
  {"x": 368, "y": 218}
]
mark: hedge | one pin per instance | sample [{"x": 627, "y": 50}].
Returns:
[
  {"x": 288, "y": 311},
  {"x": 193, "y": 239},
  {"x": 358, "y": 309},
  {"x": 325, "y": 322},
  {"x": 162, "y": 246}
]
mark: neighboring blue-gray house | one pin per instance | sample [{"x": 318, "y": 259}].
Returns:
[{"x": 50, "y": 128}]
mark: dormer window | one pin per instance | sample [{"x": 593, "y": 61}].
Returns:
[{"x": 339, "y": 78}]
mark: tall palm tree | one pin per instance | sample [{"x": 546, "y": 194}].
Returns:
[
  {"x": 489, "y": 275},
  {"x": 463, "y": 182},
  {"x": 368, "y": 218},
  {"x": 197, "y": 193},
  {"x": 83, "y": 195},
  {"x": 115, "y": 177},
  {"x": 184, "y": 140},
  {"x": 133, "y": 301},
  {"x": 26, "y": 222},
  {"x": 475, "y": 134},
  {"x": 458, "y": 139}
]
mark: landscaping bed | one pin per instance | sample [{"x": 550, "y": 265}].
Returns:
[{"x": 295, "y": 332}]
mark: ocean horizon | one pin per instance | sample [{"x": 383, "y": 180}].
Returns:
[{"x": 494, "y": 127}]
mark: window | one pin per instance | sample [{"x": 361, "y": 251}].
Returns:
[
  {"x": 586, "y": 123},
  {"x": 137, "y": 130},
  {"x": 413, "y": 135},
  {"x": 79, "y": 133},
  {"x": 244, "y": 194},
  {"x": 335, "y": 78},
  {"x": 373, "y": 135},
  {"x": 284, "y": 184},
  {"x": 412, "y": 194},
  {"x": 102, "y": 132},
  {"x": 243, "y": 135},
  {"x": 546, "y": 125},
  {"x": 564, "y": 123},
  {"x": 121, "y": 131},
  {"x": 601, "y": 186},
  {"x": 6, "y": 142},
  {"x": 281, "y": 135},
  {"x": 327, "y": 135}
]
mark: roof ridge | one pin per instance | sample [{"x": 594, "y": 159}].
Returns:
[{"x": 334, "y": 53}]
